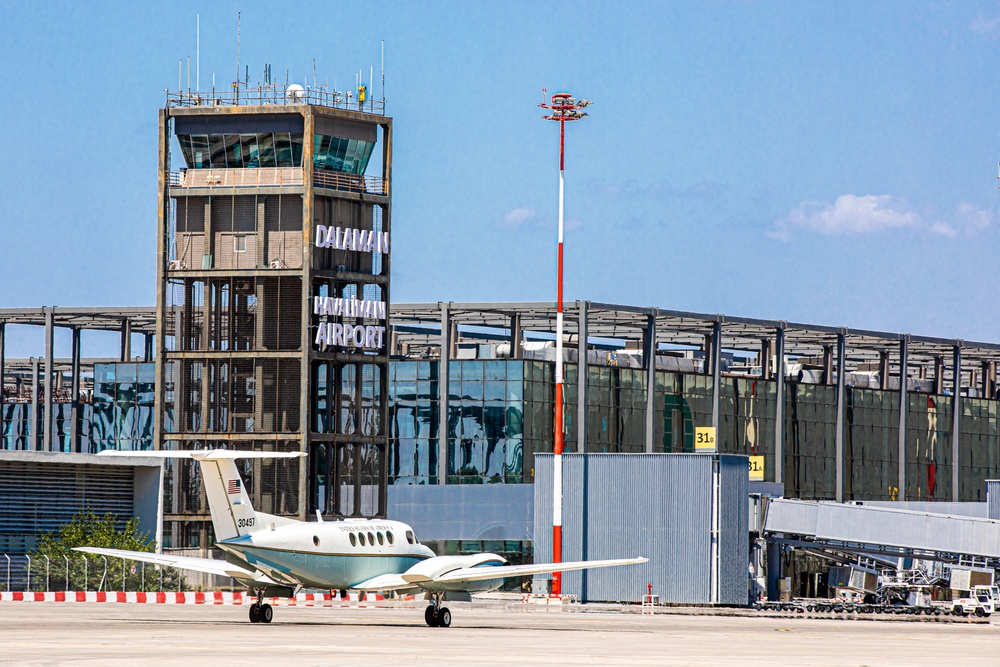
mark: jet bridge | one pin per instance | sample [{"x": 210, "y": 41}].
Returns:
[{"x": 849, "y": 528}]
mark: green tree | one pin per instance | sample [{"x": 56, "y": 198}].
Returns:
[{"x": 86, "y": 571}]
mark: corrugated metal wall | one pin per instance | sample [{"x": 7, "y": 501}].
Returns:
[
  {"x": 993, "y": 498},
  {"x": 734, "y": 544},
  {"x": 652, "y": 505},
  {"x": 30, "y": 507}
]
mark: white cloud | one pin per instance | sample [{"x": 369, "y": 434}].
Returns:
[
  {"x": 516, "y": 218},
  {"x": 943, "y": 229},
  {"x": 850, "y": 214},
  {"x": 868, "y": 214},
  {"x": 986, "y": 25}
]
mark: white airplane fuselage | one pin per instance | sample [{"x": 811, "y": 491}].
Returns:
[{"x": 342, "y": 554}]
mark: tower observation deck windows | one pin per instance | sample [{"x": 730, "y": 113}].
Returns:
[
  {"x": 348, "y": 156},
  {"x": 243, "y": 150}
]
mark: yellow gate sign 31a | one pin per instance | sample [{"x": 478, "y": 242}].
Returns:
[
  {"x": 756, "y": 468},
  {"x": 704, "y": 438}
]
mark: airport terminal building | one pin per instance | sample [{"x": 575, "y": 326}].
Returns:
[{"x": 274, "y": 329}]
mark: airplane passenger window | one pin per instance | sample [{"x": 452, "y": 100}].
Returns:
[
  {"x": 388, "y": 536},
  {"x": 371, "y": 539},
  {"x": 380, "y": 539},
  {"x": 316, "y": 540},
  {"x": 361, "y": 538},
  {"x": 409, "y": 536},
  {"x": 354, "y": 540}
]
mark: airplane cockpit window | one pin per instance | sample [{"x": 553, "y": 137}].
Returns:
[
  {"x": 354, "y": 540},
  {"x": 371, "y": 539},
  {"x": 409, "y": 536},
  {"x": 361, "y": 538},
  {"x": 388, "y": 536},
  {"x": 380, "y": 538}
]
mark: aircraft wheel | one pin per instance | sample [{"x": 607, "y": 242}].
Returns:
[
  {"x": 254, "y": 613},
  {"x": 444, "y": 617},
  {"x": 266, "y": 613},
  {"x": 430, "y": 617}
]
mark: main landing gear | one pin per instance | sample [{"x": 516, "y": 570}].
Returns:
[
  {"x": 435, "y": 615},
  {"x": 260, "y": 612}
]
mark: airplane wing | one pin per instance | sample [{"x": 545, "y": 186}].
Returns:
[
  {"x": 209, "y": 565},
  {"x": 410, "y": 580},
  {"x": 504, "y": 571}
]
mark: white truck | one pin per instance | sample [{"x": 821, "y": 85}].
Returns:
[{"x": 979, "y": 602}]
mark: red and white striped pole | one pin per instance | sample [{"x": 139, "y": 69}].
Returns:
[{"x": 563, "y": 108}]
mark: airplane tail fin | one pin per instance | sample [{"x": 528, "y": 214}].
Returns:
[{"x": 228, "y": 500}]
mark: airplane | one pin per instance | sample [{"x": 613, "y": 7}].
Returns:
[{"x": 277, "y": 556}]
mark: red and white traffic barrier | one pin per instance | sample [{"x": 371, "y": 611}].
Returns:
[{"x": 211, "y": 598}]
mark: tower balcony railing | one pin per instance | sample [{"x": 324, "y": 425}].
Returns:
[
  {"x": 275, "y": 176},
  {"x": 275, "y": 94},
  {"x": 236, "y": 178}
]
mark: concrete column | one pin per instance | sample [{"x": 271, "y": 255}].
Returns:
[
  {"x": 716, "y": 379},
  {"x": 516, "y": 337},
  {"x": 773, "y": 570},
  {"x": 989, "y": 379},
  {"x": 581, "y": 377},
  {"x": 126, "y": 347},
  {"x": 904, "y": 353},
  {"x": 74, "y": 429},
  {"x": 956, "y": 419},
  {"x": 453, "y": 340},
  {"x": 262, "y": 234},
  {"x": 147, "y": 347},
  {"x": 841, "y": 411},
  {"x": 779, "y": 406},
  {"x": 443, "y": 393},
  {"x": 35, "y": 441},
  {"x": 649, "y": 359},
  {"x": 765, "y": 358},
  {"x": 49, "y": 340},
  {"x": 883, "y": 369},
  {"x": 938, "y": 375},
  {"x": 208, "y": 259},
  {"x": 827, "y": 365}
]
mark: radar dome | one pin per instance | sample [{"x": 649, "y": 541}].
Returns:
[{"x": 295, "y": 93}]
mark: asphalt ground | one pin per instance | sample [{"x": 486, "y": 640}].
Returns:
[{"x": 482, "y": 633}]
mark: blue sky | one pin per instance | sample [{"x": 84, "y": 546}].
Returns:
[{"x": 829, "y": 163}]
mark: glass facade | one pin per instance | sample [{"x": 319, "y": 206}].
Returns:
[
  {"x": 486, "y": 421},
  {"x": 123, "y": 407},
  {"x": 17, "y": 431},
  {"x": 483, "y": 427},
  {"x": 500, "y": 413}
]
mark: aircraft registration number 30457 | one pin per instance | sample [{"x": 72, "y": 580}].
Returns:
[{"x": 245, "y": 523}]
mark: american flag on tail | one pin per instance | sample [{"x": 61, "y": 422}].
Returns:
[{"x": 234, "y": 487}]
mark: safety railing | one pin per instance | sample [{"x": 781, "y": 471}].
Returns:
[
  {"x": 81, "y": 572},
  {"x": 275, "y": 176},
  {"x": 236, "y": 178},
  {"x": 336, "y": 180},
  {"x": 276, "y": 94}
]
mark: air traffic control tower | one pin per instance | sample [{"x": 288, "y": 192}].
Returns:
[{"x": 272, "y": 297}]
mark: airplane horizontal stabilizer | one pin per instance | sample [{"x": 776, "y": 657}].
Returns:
[{"x": 209, "y": 565}]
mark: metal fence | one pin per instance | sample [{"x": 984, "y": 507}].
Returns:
[{"x": 85, "y": 572}]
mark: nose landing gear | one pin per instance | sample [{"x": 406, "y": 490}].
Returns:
[{"x": 435, "y": 615}]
